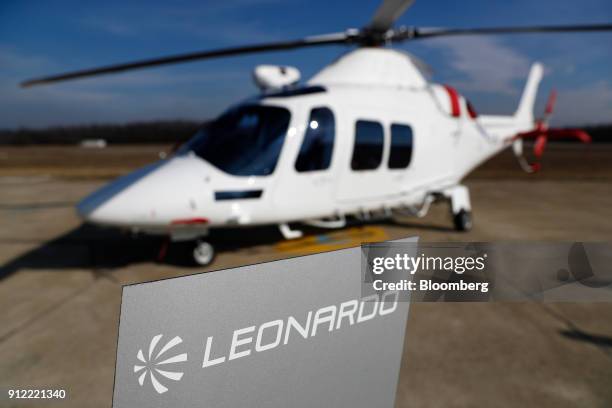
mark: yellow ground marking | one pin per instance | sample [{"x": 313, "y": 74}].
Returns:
[{"x": 347, "y": 238}]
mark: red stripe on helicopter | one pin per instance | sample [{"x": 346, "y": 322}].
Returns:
[
  {"x": 454, "y": 100},
  {"x": 190, "y": 221}
]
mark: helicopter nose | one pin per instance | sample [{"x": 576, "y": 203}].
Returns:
[
  {"x": 155, "y": 196},
  {"x": 111, "y": 204},
  {"x": 103, "y": 207}
]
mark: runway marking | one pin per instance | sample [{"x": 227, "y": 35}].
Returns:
[{"x": 347, "y": 238}]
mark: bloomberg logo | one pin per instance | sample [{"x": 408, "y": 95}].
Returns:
[{"x": 267, "y": 336}]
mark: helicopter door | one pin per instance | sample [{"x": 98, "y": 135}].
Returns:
[
  {"x": 364, "y": 175},
  {"x": 307, "y": 186}
]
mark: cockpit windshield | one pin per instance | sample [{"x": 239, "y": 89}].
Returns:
[{"x": 245, "y": 141}]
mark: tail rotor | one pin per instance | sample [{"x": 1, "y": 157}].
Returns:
[{"x": 540, "y": 134}]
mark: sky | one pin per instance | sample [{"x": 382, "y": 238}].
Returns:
[{"x": 38, "y": 38}]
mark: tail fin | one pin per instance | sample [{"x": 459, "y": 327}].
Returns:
[{"x": 524, "y": 113}]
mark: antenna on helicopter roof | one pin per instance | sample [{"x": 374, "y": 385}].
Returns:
[{"x": 272, "y": 78}]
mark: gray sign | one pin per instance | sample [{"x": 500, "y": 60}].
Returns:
[{"x": 295, "y": 332}]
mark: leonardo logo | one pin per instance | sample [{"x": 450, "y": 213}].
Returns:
[{"x": 154, "y": 360}]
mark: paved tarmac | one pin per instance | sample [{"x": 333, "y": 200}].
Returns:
[{"x": 60, "y": 287}]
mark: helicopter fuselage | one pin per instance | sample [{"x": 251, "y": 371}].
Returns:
[{"x": 368, "y": 133}]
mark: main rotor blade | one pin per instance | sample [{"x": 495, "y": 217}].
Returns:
[
  {"x": 440, "y": 32},
  {"x": 386, "y": 15},
  {"x": 327, "y": 39}
]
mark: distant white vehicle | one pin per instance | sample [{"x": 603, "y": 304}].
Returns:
[
  {"x": 367, "y": 135},
  {"x": 93, "y": 143}
]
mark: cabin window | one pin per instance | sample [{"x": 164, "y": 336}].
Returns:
[
  {"x": 245, "y": 141},
  {"x": 401, "y": 146},
  {"x": 368, "y": 149},
  {"x": 318, "y": 145}
]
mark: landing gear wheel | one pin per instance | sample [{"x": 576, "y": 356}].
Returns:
[
  {"x": 463, "y": 220},
  {"x": 203, "y": 253}
]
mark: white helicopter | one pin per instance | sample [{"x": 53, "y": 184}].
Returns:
[{"x": 368, "y": 135}]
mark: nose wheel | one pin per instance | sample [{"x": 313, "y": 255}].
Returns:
[{"x": 203, "y": 253}]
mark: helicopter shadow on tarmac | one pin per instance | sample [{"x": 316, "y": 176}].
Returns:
[
  {"x": 101, "y": 249},
  {"x": 95, "y": 248}
]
